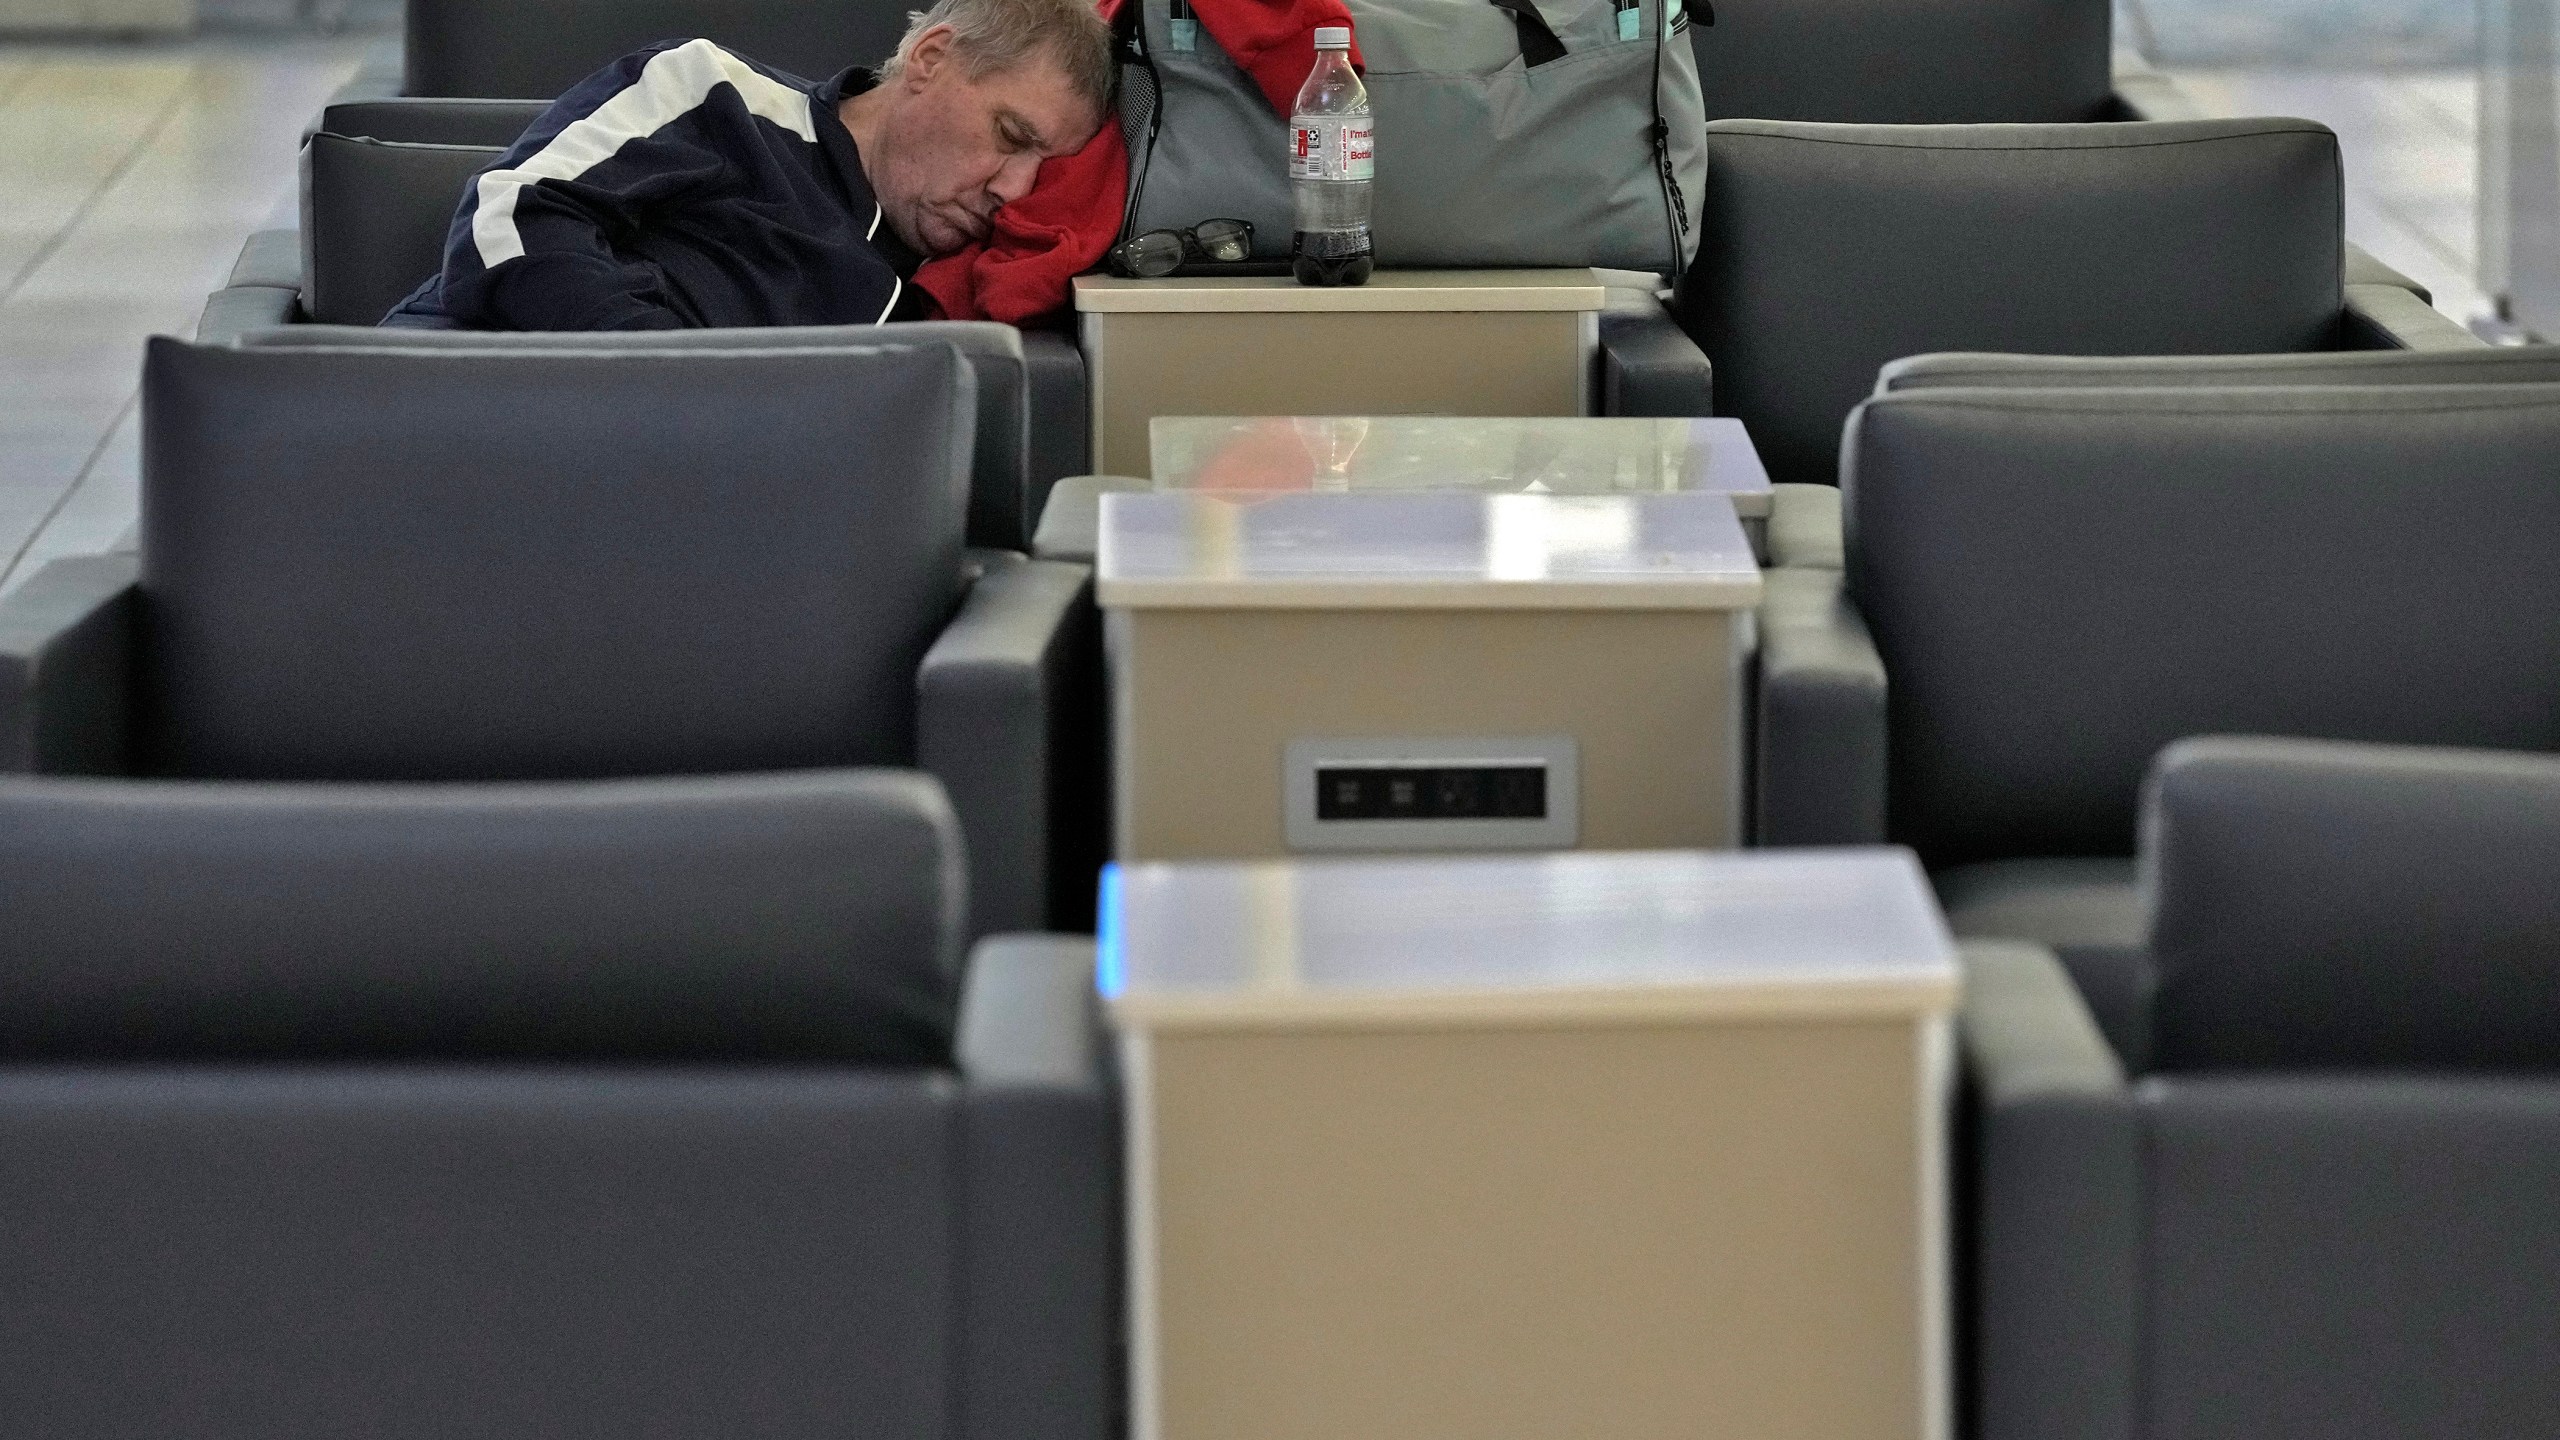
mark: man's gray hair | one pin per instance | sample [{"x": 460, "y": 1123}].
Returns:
[{"x": 992, "y": 35}]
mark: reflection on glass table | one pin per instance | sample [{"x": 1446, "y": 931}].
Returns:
[
  {"x": 1552, "y": 456},
  {"x": 1425, "y": 549}
]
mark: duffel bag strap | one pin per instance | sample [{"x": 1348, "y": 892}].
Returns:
[
  {"x": 1141, "y": 104},
  {"x": 1671, "y": 196}
]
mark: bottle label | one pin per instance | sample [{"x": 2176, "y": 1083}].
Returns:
[{"x": 1330, "y": 147}]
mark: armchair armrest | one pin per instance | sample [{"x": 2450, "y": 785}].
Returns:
[
  {"x": 1040, "y": 1245},
  {"x": 1821, "y": 733},
  {"x": 1804, "y": 527},
  {"x": 2056, "y": 1203},
  {"x": 1071, "y": 522},
  {"x": 1000, "y": 719},
  {"x": 1648, "y": 364},
  {"x": 265, "y": 289},
  {"x": 235, "y": 310},
  {"x": 270, "y": 257},
  {"x": 2387, "y": 317},
  {"x": 430, "y": 119},
  {"x": 1029, "y": 1018},
  {"x": 66, "y": 656},
  {"x": 2363, "y": 269},
  {"x": 1057, "y": 445},
  {"x": 2431, "y": 885}
]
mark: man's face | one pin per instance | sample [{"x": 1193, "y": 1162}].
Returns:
[{"x": 953, "y": 147}]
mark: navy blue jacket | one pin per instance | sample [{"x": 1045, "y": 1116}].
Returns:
[{"x": 680, "y": 186}]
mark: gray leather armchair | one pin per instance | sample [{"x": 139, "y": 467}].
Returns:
[
  {"x": 378, "y": 557},
  {"x": 2305, "y": 1183},
  {"x": 655, "y": 1107},
  {"x": 379, "y": 184},
  {"x": 1829, "y": 250},
  {"x": 2044, "y": 587}
]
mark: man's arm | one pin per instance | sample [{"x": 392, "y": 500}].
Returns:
[{"x": 531, "y": 248}]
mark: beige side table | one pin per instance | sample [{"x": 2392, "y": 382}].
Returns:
[
  {"x": 1435, "y": 670},
  {"x": 1422, "y": 342},
  {"x": 1618, "y": 1147}
]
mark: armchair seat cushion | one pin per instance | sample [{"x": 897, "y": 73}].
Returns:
[
  {"x": 2089, "y": 912},
  {"x": 416, "y": 1252},
  {"x": 2051, "y": 902},
  {"x": 2365, "y": 1255}
]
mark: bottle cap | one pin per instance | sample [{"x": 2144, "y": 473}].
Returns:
[{"x": 1333, "y": 37}]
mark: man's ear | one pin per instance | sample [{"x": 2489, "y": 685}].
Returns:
[{"x": 929, "y": 54}]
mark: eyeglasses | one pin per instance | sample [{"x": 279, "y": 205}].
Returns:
[{"x": 1159, "y": 253}]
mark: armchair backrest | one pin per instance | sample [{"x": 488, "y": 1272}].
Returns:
[
  {"x": 2334, "y": 907},
  {"x": 2061, "y": 582},
  {"x": 1004, "y": 502},
  {"x": 1908, "y": 62},
  {"x": 402, "y": 563},
  {"x": 508, "y": 48},
  {"x": 375, "y": 214},
  {"x": 810, "y": 917},
  {"x": 1827, "y": 250}
]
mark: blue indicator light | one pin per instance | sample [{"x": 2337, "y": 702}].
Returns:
[{"x": 1110, "y": 966}]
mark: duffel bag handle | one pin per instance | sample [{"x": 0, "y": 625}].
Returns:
[{"x": 1538, "y": 42}]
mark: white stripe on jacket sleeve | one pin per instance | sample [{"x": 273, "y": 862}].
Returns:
[{"x": 672, "y": 83}]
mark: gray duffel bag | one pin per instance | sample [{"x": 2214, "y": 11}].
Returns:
[{"x": 1510, "y": 133}]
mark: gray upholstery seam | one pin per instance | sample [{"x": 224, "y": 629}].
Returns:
[
  {"x": 2004, "y": 398},
  {"x": 955, "y": 1375},
  {"x": 2348, "y": 361},
  {"x": 2145, "y": 1254},
  {"x": 410, "y": 144},
  {"x": 393, "y": 344},
  {"x": 2005, "y": 149}
]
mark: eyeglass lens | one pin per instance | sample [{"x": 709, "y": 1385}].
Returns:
[
  {"x": 1154, "y": 255},
  {"x": 1226, "y": 240}
]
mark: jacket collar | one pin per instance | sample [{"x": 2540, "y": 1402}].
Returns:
[{"x": 846, "y": 158}]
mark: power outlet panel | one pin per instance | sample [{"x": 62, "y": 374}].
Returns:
[{"x": 1510, "y": 792}]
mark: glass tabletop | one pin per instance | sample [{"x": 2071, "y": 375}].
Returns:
[
  {"x": 1579, "y": 919},
  {"x": 1551, "y": 455},
  {"x": 1425, "y": 548}
]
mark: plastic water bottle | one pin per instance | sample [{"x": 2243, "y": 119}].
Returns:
[{"x": 1332, "y": 156}]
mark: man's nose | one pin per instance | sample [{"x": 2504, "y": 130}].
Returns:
[{"x": 1013, "y": 178}]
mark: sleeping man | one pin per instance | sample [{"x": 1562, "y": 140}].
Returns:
[{"x": 685, "y": 186}]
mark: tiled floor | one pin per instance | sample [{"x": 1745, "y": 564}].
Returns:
[
  {"x": 129, "y": 175},
  {"x": 2411, "y": 138}
]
